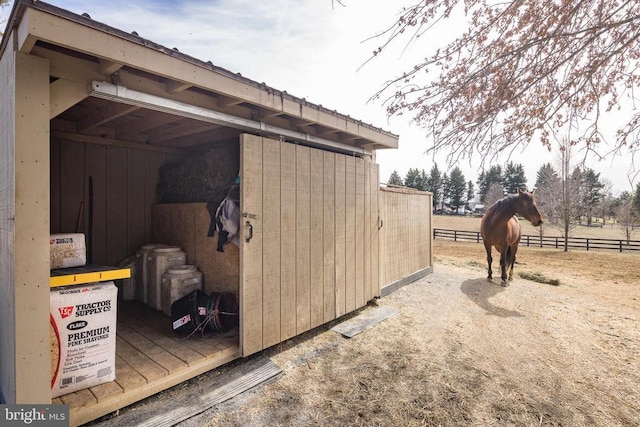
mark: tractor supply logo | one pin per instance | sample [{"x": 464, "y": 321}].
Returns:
[
  {"x": 37, "y": 415},
  {"x": 65, "y": 311},
  {"x": 93, "y": 308}
]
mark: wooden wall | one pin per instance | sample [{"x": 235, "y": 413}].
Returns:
[
  {"x": 186, "y": 225},
  {"x": 313, "y": 256},
  {"x": 124, "y": 188},
  {"x": 405, "y": 238}
]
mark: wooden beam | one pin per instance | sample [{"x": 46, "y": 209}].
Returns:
[
  {"x": 64, "y": 94},
  {"x": 151, "y": 121},
  {"x": 108, "y": 67},
  {"x": 104, "y": 115},
  {"x": 174, "y": 86},
  {"x": 88, "y": 139},
  {"x": 221, "y": 134},
  {"x": 186, "y": 128},
  {"x": 227, "y": 101}
]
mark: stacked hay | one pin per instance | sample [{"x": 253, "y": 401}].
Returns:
[{"x": 200, "y": 178}]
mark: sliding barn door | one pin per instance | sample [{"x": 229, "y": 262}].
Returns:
[{"x": 309, "y": 242}]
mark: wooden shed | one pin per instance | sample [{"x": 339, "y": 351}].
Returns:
[{"x": 89, "y": 112}]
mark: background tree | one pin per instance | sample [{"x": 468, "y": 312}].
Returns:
[
  {"x": 457, "y": 189},
  {"x": 513, "y": 178},
  {"x": 627, "y": 218},
  {"x": 445, "y": 191},
  {"x": 494, "y": 193},
  {"x": 486, "y": 179},
  {"x": 470, "y": 192},
  {"x": 546, "y": 176},
  {"x": 592, "y": 192},
  {"x": 395, "y": 179},
  {"x": 606, "y": 201},
  {"x": 521, "y": 70},
  {"x": 414, "y": 179},
  {"x": 636, "y": 200},
  {"x": 434, "y": 184}
]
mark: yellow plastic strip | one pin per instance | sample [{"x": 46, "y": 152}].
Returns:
[{"x": 89, "y": 277}]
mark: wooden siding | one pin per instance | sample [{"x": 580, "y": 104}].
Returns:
[
  {"x": 405, "y": 237},
  {"x": 325, "y": 240},
  {"x": 124, "y": 189},
  {"x": 187, "y": 225}
]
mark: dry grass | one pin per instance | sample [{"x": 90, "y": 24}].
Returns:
[{"x": 465, "y": 352}]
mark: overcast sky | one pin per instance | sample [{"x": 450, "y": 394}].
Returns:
[{"x": 311, "y": 49}]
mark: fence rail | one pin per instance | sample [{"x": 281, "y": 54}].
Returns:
[{"x": 588, "y": 243}]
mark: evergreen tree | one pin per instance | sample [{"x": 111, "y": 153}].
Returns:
[
  {"x": 546, "y": 177},
  {"x": 492, "y": 176},
  {"x": 395, "y": 179},
  {"x": 434, "y": 184},
  {"x": 592, "y": 192},
  {"x": 470, "y": 191},
  {"x": 457, "y": 188},
  {"x": 413, "y": 179},
  {"x": 445, "y": 190},
  {"x": 513, "y": 178}
]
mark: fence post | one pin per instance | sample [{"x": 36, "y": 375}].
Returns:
[
  {"x": 620, "y": 245},
  {"x": 587, "y": 243},
  {"x": 477, "y": 237},
  {"x": 455, "y": 235}
]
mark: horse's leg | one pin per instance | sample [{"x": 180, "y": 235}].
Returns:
[
  {"x": 504, "y": 259},
  {"x": 487, "y": 247},
  {"x": 514, "y": 250}
]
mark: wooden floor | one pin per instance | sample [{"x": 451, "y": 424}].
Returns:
[{"x": 149, "y": 358}]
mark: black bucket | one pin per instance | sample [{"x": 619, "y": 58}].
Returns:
[
  {"x": 188, "y": 312},
  {"x": 222, "y": 311}
]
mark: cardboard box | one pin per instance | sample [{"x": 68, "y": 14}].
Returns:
[
  {"x": 67, "y": 250},
  {"x": 83, "y": 336}
]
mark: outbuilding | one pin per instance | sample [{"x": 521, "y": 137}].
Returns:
[{"x": 91, "y": 117}]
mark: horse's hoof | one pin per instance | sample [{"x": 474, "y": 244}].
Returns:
[
  {"x": 504, "y": 283},
  {"x": 489, "y": 279}
]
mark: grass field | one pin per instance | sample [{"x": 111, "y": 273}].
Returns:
[{"x": 466, "y": 223}]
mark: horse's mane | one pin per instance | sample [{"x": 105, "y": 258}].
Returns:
[{"x": 504, "y": 202}]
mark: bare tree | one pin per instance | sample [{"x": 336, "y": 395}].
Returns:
[
  {"x": 559, "y": 197},
  {"x": 627, "y": 218},
  {"x": 494, "y": 193},
  {"x": 522, "y": 70}
]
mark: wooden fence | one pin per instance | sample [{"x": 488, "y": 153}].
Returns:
[{"x": 588, "y": 243}]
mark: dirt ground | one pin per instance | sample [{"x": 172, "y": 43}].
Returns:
[{"x": 463, "y": 351}]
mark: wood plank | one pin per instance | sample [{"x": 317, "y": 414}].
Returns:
[
  {"x": 106, "y": 390},
  {"x": 329, "y": 236},
  {"x": 127, "y": 377},
  {"x": 54, "y": 186},
  {"x": 271, "y": 242},
  {"x": 116, "y": 212},
  {"x": 369, "y": 317},
  {"x": 287, "y": 246},
  {"x": 368, "y": 293},
  {"x": 208, "y": 346},
  {"x": 79, "y": 399},
  {"x": 72, "y": 184},
  {"x": 316, "y": 235},
  {"x": 359, "y": 230},
  {"x": 183, "y": 230},
  {"x": 220, "y": 270},
  {"x": 155, "y": 161},
  {"x": 350, "y": 227},
  {"x": 194, "y": 399},
  {"x": 375, "y": 232},
  {"x": 302, "y": 239},
  {"x": 172, "y": 344},
  {"x": 340, "y": 235},
  {"x": 96, "y": 169},
  {"x": 136, "y": 203},
  {"x": 251, "y": 292},
  {"x": 150, "y": 349},
  {"x": 138, "y": 361}
]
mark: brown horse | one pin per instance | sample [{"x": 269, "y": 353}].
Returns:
[{"x": 500, "y": 228}]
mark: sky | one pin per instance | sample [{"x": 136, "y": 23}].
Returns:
[{"x": 316, "y": 49}]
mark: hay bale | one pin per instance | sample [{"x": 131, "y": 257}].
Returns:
[{"x": 200, "y": 178}]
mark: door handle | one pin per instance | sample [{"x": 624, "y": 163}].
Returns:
[{"x": 250, "y": 227}]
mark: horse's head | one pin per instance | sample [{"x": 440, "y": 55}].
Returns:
[{"x": 527, "y": 207}]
